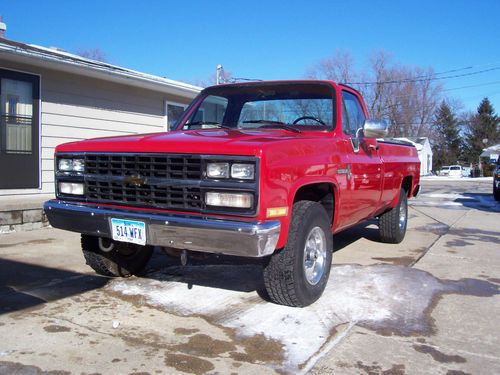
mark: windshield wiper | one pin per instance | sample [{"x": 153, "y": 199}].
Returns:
[{"x": 273, "y": 124}]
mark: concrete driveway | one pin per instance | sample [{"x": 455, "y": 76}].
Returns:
[{"x": 428, "y": 305}]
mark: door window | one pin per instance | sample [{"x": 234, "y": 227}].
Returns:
[
  {"x": 353, "y": 116},
  {"x": 17, "y": 112},
  {"x": 174, "y": 113}
]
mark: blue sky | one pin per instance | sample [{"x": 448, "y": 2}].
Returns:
[{"x": 185, "y": 40}]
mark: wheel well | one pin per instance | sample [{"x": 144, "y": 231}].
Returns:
[
  {"x": 407, "y": 184},
  {"x": 322, "y": 193}
]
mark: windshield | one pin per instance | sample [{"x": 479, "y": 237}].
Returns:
[{"x": 293, "y": 107}]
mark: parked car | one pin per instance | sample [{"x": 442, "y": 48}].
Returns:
[
  {"x": 267, "y": 170},
  {"x": 496, "y": 181},
  {"x": 451, "y": 171}
]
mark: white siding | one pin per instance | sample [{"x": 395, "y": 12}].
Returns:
[{"x": 75, "y": 108}]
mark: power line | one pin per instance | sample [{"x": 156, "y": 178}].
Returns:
[
  {"x": 425, "y": 78},
  {"x": 471, "y": 86}
]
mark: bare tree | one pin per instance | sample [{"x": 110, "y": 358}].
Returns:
[
  {"x": 339, "y": 68},
  {"x": 407, "y": 96}
]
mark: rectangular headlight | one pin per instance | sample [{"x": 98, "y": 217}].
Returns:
[
  {"x": 65, "y": 165},
  {"x": 218, "y": 170},
  {"x": 71, "y": 188},
  {"x": 71, "y": 165},
  {"x": 78, "y": 165},
  {"x": 243, "y": 171},
  {"x": 236, "y": 200}
]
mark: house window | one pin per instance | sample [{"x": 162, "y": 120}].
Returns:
[{"x": 174, "y": 112}]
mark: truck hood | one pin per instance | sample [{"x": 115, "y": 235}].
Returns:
[{"x": 204, "y": 141}]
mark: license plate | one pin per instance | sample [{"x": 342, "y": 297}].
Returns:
[{"x": 129, "y": 231}]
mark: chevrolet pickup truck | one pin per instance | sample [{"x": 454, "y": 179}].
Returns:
[{"x": 262, "y": 169}]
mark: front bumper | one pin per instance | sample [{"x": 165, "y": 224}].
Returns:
[{"x": 197, "y": 233}]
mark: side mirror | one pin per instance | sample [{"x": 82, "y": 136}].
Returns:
[{"x": 375, "y": 128}]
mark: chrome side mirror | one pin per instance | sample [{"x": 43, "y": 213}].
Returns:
[{"x": 375, "y": 128}]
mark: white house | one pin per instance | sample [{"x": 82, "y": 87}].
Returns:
[
  {"x": 49, "y": 97},
  {"x": 425, "y": 153}
]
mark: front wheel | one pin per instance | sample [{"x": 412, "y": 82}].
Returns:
[
  {"x": 496, "y": 192},
  {"x": 112, "y": 258},
  {"x": 393, "y": 223},
  {"x": 297, "y": 275}
]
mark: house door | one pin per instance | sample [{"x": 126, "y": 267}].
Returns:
[{"x": 19, "y": 130}]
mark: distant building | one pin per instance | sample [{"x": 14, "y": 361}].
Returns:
[
  {"x": 491, "y": 153},
  {"x": 425, "y": 153},
  {"x": 49, "y": 97}
]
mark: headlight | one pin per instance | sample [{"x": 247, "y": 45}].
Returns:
[
  {"x": 218, "y": 170},
  {"x": 236, "y": 200},
  {"x": 71, "y": 188},
  {"x": 71, "y": 165},
  {"x": 243, "y": 171}
]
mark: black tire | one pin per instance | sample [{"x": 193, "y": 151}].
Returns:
[
  {"x": 393, "y": 223},
  {"x": 285, "y": 277},
  {"x": 496, "y": 193},
  {"x": 123, "y": 259}
]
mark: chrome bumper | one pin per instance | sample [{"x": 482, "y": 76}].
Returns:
[{"x": 210, "y": 235}]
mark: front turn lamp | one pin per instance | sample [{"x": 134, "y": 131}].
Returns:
[
  {"x": 71, "y": 188},
  {"x": 235, "y": 200}
]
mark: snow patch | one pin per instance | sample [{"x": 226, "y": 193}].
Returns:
[{"x": 373, "y": 296}]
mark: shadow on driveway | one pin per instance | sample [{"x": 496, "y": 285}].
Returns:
[{"x": 24, "y": 285}]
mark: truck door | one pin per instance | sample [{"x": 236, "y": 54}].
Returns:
[{"x": 364, "y": 164}]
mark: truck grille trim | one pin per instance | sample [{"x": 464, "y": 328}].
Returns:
[{"x": 144, "y": 180}]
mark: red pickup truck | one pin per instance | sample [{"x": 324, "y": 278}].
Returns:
[{"x": 261, "y": 169}]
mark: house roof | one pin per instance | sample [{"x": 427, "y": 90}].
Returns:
[
  {"x": 495, "y": 150},
  {"x": 68, "y": 62}
]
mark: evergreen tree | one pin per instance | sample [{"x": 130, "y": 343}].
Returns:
[
  {"x": 482, "y": 130},
  {"x": 447, "y": 142}
]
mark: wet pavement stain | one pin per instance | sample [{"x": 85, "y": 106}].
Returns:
[
  {"x": 436, "y": 228},
  {"x": 375, "y": 369},
  {"x": 56, "y": 328},
  {"x": 457, "y": 372},
  {"x": 472, "y": 234},
  {"x": 185, "y": 331},
  {"x": 189, "y": 364},
  {"x": 19, "y": 368},
  {"x": 204, "y": 346},
  {"x": 439, "y": 356}
]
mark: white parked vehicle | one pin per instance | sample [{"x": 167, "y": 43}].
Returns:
[{"x": 451, "y": 171}]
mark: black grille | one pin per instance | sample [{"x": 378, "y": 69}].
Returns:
[
  {"x": 181, "y": 167},
  {"x": 147, "y": 180}
]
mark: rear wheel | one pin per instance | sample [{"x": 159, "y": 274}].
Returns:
[
  {"x": 393, "y": 223},
  {"x": 496, "y": 192},
  {"x": 297, "y": 275},
  {"x": 113, "y": 258}
]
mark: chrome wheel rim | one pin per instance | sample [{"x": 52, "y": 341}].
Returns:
[
  {"x": 403, "y": 211},
  {"x": 315, "y": 255}
]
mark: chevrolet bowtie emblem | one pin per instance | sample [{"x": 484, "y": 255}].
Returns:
[{"x": 134, "y": 180}]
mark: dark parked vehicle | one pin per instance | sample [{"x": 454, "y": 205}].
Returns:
[{"x": 496, "y": 181}]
